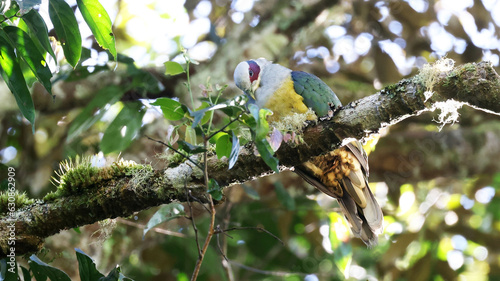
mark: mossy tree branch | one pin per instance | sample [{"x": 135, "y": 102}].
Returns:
[{"x": 477, "y": 85}]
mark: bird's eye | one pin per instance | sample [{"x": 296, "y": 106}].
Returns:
[{"x": 250, "y": 72}]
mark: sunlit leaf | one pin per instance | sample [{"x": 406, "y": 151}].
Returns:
[
  {"x": 339, "y": 234},
  {"x": 86, "y": 118},
  {"x": 42, "y": 271},
  {"x": 39, "y": 29},
  {"x": 87, "y": 267},
  {"x": 123, "y": 129},
  {"x": 165, "y": 213},
  {"x": 173, "y": 68},
  {"x": 28, "y": 51},
  {"x": 199, "y": 114},
  {"x": 13, "y": 76},
  {"x": 67, "y": 30},
  {"x": 284, "y": 197},
  {"x": 223, "y": 146},
  {"x": 99, "y": 22},
  {"x": 172, "y": 109}
]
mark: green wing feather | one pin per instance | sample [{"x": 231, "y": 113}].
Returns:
[{"x": 316, "y": 93}]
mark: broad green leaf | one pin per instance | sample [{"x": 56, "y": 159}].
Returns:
[
  {"x": 284, "y": 197},
  {"x": 13, "y": 9},
  {"x": 87, "y": 267},
  {"x": 88, "y": 116},
  {"x": 262, "y": 127},
  {"x": 8, "y": 270},
  {"x": 190, "y": 136},
  {"x": 26, "y": 273},
  {"x": 13, "y": 76},
  {"x": 28, "y": 51},
  {"x": 67, "y": 30},
  {"x": 173, "y": 68},
  {"x": 172, "y": 109},
  {"x": 342, "y": 251},
  {"x": 165, "y": 213},
  {"x": 123, "y": 129},
  {"x": 42, "y": 271},
  {"x": 99, "y": 22},
  {"x": 223, "y": 146},
  {"x": 189, "y": 148},
  {"x": 235, "y": 151},
  {"x": 266, "y": 153},
  {"x": 214, "y": 189},
  {"x": 215, "y": 137},
  {"x": 39, "y": 29}
]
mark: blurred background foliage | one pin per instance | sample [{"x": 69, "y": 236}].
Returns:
[{"x": 438, "y": 187}]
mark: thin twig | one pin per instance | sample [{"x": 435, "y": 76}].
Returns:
[
  {"x": 176, "y": 151},
  {"x": 252, "y": 227},
  {"x": 199, "y": 201},
  {"x": 212, "y": 217},
  {"x": 225, "y": 126},
  {"x": 155, "y": 229},
  {"x": 191, "y": 218}
]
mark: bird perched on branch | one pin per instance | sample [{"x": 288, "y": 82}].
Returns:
[{"x": 342, "y": 173}]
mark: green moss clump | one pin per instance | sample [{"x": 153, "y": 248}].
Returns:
[
  {"x": 18, "y": 199},
  {"x": 79, "y": 175}
]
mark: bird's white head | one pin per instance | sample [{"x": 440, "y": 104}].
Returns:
[{"x": 247, "y": 75}]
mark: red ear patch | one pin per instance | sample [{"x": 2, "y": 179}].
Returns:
[{"x": 253, "y": 70}]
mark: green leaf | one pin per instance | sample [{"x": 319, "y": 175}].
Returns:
[
  {"x": 342, "y": 251},
  {"x": 28, "y": 51},
  {"x": 13, "y": 9},
  {"x": 88, "y": 117},
  {"x": 13, "y": 76},
  {"x": 87, "y": 267},
  {"x": 223, "y": 146},
  {"x": 165, "y": 213},
  {"x": 172, "y": 109},
  {"x": 266, "y": 153},
  {"x": 199, "y": 114},
  {"x": 189, "y": 148},
  {"x": 26, "y": 273},
  {"x": 173, "y": 68},
  {"x": 284, "y": 197},
  {"x": 42, "y": 271},
  {"x": 235, "y": 151},
  {"x": 39, "y": 29},
  {"x": 129, "y": 120},
  {"x": 214, "y": 189},
  {"x": 99, "y": 22},
  {"x": 67, "y": 30}
]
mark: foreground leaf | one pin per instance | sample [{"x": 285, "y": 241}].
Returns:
[
  {"x": 38, "y": 28},
  {"x": 128, "y": 120},
  {"x": 99, "y": 22},
  {"x": 42, "y": 271},
  {"x": 172, "y": 109},
  {"x": 87, "y": 267},
  {"x": 28, "y": 51},
  {"x": 173, "y": 68},
  {"x": 165, "y": 213},
  {"x": 67, "y": 30},
  {"x": 13, "y": 76},
  {"x": 223, "y": 146}
]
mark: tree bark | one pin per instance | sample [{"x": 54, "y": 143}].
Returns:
[{"x": 474, "y": 84}]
